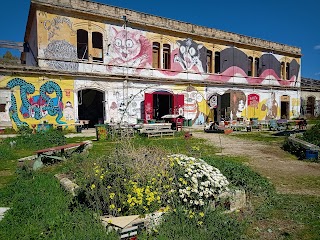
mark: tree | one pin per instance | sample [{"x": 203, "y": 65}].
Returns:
[{"x": 9, "y": 59}]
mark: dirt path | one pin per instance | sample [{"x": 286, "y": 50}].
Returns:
[{"x": 286, "y": 173}]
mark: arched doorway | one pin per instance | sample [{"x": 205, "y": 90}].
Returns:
[{"x": 91, "y": 106}]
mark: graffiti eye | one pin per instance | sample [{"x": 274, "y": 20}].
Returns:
[
  {"x": 129, "y": 43},
  {"x": 118, "y": 42},
  {"x": 182, "y": 49},
  {"x": 192, "y": 51}
]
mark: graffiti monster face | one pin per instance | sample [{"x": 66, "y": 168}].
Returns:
[
  {"x": 191, "y": 99},
  {"x": 190, "y": 55},
  {"x": 126, "y": 44}
]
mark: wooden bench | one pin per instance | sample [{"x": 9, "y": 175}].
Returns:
[
  {"x": 157, "y": 129},
  {"x": 58, "y": 153}
]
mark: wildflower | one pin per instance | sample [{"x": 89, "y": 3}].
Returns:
[
  {"x": 93, "y": 186},
  {"x": 200, "y": 223},
  {"x": 109, "y": 187},
  {"x": 201, "y": 214},
  {"x": 112, "y": 206},
  {"x": 111, "y": 195}
]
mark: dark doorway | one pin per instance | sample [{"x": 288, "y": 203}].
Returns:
[
  {"x": 162, "y": 104},
  {"x": 225, "y": 106},
  {"x": 285, "y": 107},
  {"x": 90, "y": 106},
  {"x": 310, "y": 106}
]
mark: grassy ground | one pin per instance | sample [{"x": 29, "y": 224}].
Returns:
[{"x": 42, "y": 210}]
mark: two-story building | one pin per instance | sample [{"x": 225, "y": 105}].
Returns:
[{"x": 86, "y": 60}]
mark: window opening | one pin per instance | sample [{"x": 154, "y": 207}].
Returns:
[
  {"x": 209, "y": 61},
  {"x": 256, "y": 69},
  {"x": 250, "y": 67},
  {"x": 156, "y": 55},
  {"x": 287, "y": 71},
  {"x": 97, "y": 45},
  {"x": 82, "y": 44},
  {"x": 282, "y": 70},
  {"x": 166, "y": 56},
  {"x": 217, "y": 62}
]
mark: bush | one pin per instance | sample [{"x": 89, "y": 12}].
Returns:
[
  {"x": 40, "y": 140},
  {"x": 312, "y": 135},
  {"x": 242, "y": 176}
]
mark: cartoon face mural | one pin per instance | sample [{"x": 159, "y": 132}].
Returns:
[
  {"x": 37, "y": 106},
  {"x": 271, "y": 106},
  {"x": 191, "y": 99},
  {"x": 68, "y": 111},
  {"x": 129, "y": 48},
  {"x": 191, "y": 55},
  {"x": 113, "y": 112},
  {"x": 237, "y": 104}
]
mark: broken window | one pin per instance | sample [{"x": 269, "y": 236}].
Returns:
[
  {"x": 156, "y": 55},
  {"x": 97, "y": 46},
  {"x": 256, "y": 67},
  {"x": 250, "y": 66},
  {"x": 82, "y": 44},
  {"x": 209, "y": 61},
  {"x": 166, "y": 56},
  {"x": 217, "y": 62}
]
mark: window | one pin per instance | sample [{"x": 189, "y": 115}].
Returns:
[
  {"x": 256, "y": 67},
  {"x": 2, "y": 107},
  {"x": 166, "y": 56},
  {"x": 156, "y": 55},
  {"x": 82, "y": 44},
  {"x": 250, "y": 66},
  {"x": 287, "y": 71},
  {"x": 217, "y": 62},
  {"x": 97, "y": 46},
  {"x": 282, "y": 70},
  {"x": 209, "y": 61}
]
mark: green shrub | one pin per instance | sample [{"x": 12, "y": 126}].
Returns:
[
  {"x": 212, "y": 225},
  {"x": 41, "y": 139},
  {"x": 242, "y": 176},
  {"x": 312, "y": 135}
]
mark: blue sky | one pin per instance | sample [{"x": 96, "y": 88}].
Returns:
[{"x": 295, "y": 23}]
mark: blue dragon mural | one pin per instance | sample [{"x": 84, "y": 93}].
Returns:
[{"x": 38, "y": 106}]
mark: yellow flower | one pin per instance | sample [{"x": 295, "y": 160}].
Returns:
[
  {"x": 112, "y": 195},
  {"x": 101, "y": 177},
  {"x": 119, "y": 209},
  {"x": 201, "y": 214},
  {"x": 93, "y": 186},
  {"x": 200, "y": 222},
  {"x": 112, "y": 206},
  {"x": 109, "y": 187}
]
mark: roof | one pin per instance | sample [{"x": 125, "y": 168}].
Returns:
[{"x": 152, "y": 22}]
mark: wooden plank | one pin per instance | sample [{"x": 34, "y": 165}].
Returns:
[{"x": 59, "y": 148}]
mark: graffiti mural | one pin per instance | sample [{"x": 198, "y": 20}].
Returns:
[
  {"x": 130, "y": 49},
  {"x": 68, "y": 111},
  {"x": 38, "y": 106},
  {"x": 271, "y": 106},
  {"x": 53, "y": 26},
  {"x": 61, "y": 50},
  {"x": 237, "y": 103},
  {"x": 191, "y": 56}
]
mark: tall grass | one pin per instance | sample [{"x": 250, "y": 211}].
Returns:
[{"x": 41, "y": 210}]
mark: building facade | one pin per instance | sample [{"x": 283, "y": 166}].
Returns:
[{"x": 85, "y": 60}]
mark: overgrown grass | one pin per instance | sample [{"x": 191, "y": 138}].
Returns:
[{"x": 41, "y": 210}]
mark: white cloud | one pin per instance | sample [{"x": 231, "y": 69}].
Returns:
[{"x": 317, "y": 47}]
